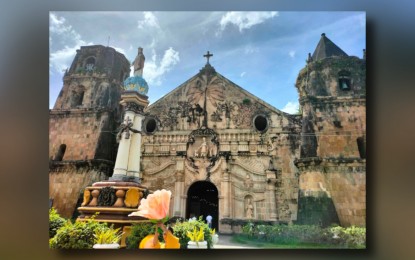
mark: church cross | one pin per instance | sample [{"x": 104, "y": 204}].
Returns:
[{"x": 208, "y": 55}]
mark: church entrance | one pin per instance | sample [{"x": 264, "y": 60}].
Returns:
[{"x": 202, "y": 200}]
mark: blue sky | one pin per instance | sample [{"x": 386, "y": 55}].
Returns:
[{"x": 260, "y": 51}]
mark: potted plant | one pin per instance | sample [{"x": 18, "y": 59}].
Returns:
[
  {"x": 196, "y": 239},
  {"x": 215, "y": 237},
  {"x": 107, "y": 238}
]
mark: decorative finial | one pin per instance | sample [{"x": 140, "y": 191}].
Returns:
[
  {"x": 323, "y": 35},
  {"x": 309, "y": 59},
  {"x": 208, "y": 55}
]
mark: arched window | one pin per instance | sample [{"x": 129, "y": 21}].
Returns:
[
  {"x": 77, "y": 96},
  {"x": 90, "y": 64},
  {"x": 61, "y": 152},
  {"x": 344, "y": 80}
]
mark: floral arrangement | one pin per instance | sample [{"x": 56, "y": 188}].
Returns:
[{"x": 156, "y": 208}]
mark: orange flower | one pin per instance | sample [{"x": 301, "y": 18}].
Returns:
[
  {"x": 172, "y": 242},
  {"x": 155, "y": 207},
  {"x": 149, "y": 243}
]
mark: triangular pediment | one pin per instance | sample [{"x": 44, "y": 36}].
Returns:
[{"x": 227, "y": 105}]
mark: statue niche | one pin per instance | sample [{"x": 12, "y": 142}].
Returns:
[{"x": 202, "y": 150}]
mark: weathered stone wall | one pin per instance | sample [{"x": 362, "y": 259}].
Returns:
[
  {"x": 344, "y": 182},
  {"x": 339, "y": 124},
  {"x": 83, "y": 132},
  {"x": 66, "y": 183}
]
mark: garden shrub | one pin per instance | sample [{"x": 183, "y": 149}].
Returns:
[
  {"x": 78, "y": 235},
  {"x": 352, "y": 237},
  {"x": 138, "y": 232},
  {"x": 55, "y": 222},
  {"x": 180, "y": 230}
]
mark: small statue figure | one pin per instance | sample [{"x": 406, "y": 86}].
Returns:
[
  {"x": 203, "y": 149},
  {"x": 139, "y": 63},
  {"x": 249, "y": 210}
]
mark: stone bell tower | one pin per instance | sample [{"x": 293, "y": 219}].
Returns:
[
  {"x": 82, "y": 144},
  {"x": 332, "y": 163}
]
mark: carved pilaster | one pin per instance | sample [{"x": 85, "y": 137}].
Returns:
[
  {"x": 178, "y": 210},
  {"x": 271, "y": 202},
  {"x": 225, "y": 194}
]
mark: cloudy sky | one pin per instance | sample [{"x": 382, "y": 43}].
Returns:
[{"x": 260, "y": 51}]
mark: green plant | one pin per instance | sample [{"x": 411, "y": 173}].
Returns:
[
  {"x": 78, "y": 235},
  {"x": 138, "y": 232},
  {"x": 107, "y": 235},
  {"x": 55, "y": 222},
  {"x": 246, "y": 101},
  {"x": 351, "y": 237},
  {"x": 355, "y": 237},
  {"x": 180, "y": 230}
]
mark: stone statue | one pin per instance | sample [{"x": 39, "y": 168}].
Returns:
[
  {"x": 203, "y": 149},
  {"x": 249, "y": 210},
  {"x": 139, "y": 63}
]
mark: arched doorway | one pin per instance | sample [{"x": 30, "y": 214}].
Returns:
[{"x": 202, "y": 200}]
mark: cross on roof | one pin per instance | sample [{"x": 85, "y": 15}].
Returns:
[{"x": 208, "y": 55}]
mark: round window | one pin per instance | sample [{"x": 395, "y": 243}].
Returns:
[
  {"x": 261, "y": 123},
  {"x": 150, "y": 125}
]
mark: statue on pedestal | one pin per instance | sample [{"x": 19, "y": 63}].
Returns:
[{"x": 139, "y": 63}]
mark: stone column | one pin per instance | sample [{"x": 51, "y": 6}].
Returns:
[
  {"x": 135, "y": 149},
  {"x": 121, "y": 163},
  {"x": 127, "y": 164},
  {"x": 270, "y": 202}
]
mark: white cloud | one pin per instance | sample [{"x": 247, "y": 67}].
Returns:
[
  {"x": 291, "y": 107},
  {"x": 61, "y": 59},
  {"x": 249, "y": 49},
  {"x": 154, "y": 70},
  {"x": 120, "y": 50},
  {"x": 245, "y": 20},
  {"x": 150, "y": 20},
  {"x": 243, "y": 74},
  {"x": 57, "y": 25},
  {"x": 292, "y": 54}
]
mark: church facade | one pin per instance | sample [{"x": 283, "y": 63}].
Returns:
[{"x": 220, "y": 150}]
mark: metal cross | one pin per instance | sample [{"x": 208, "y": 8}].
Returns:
[{"x": 208, "y": 55}]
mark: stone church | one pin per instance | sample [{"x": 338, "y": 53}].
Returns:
[{"x": 219, "y": 149}]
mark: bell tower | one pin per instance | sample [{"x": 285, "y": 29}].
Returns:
[
  {"x": 83, "y": 124},
  {"x": 332, "y": 163}
]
